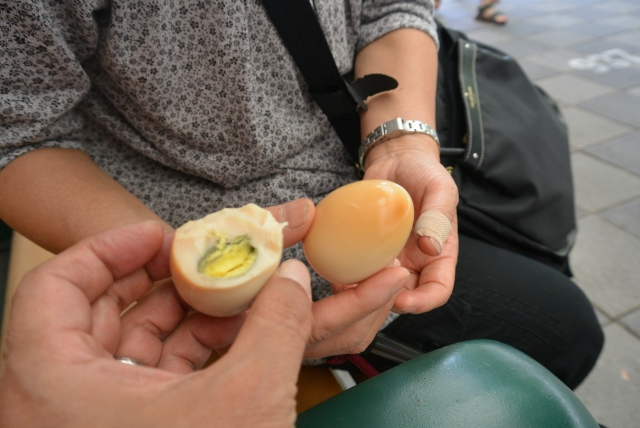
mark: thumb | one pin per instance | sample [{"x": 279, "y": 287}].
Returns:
[
  {"x": 437, "y": 212},
  {"x": 278, "y": 324},
  {"x": 432, "y": 229}
]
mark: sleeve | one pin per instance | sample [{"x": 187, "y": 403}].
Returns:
[
  {"x": 380, "y": 17},
  {"x": 41, "y": 77}
]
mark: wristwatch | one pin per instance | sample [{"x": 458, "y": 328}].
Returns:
[{"x": 392, "y": 129}]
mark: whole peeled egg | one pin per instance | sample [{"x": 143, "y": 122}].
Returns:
[
  {"x": 358, "y": 230},
  {"x": 220, "y": 262}
]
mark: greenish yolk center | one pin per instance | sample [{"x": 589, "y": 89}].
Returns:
[{"x": 228, "y": 259}]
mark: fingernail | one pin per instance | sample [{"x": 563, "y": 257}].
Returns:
[
  {"x": 295, "y": 213},
  {"x": 436, "y": 245},
  {"x": 297, "y": 272}
]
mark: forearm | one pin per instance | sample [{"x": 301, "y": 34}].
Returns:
[
  {"x": 57, "y": 197},
  {"x": 410, "y": 56}
]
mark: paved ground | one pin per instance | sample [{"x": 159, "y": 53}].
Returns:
[{"x": 567, "y": 47}]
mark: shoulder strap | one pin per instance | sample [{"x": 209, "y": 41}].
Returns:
[{"x": 298, "y": 26}]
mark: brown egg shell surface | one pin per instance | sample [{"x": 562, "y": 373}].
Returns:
[{"x": 358, "y": 230}]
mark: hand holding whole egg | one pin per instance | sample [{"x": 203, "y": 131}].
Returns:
[{"x": 220, "y": 262}]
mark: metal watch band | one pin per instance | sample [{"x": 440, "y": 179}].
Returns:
[{"x": 392, "y": 129}]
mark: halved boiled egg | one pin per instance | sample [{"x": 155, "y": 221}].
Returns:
[
  {"x": 358, "y": 230},
  {"x": 220, "y": 262}
]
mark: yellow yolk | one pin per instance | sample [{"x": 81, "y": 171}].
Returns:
[
  {"x": 227, "y": 260},
  {"x": 220, "y": 262}
]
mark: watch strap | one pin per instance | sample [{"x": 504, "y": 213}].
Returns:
[{"x": 392, "y": 129}]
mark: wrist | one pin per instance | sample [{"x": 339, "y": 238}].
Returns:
[
  {"x": 408, "y": 144},
  {"x": 391, "y": 130}
]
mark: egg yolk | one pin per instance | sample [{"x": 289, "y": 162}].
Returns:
[{"x": 228, "y": 259}]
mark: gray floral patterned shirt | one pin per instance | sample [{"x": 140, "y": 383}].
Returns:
[{"x": 192, "y": 105}]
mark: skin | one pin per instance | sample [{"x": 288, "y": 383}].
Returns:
[
  {"x": 413, "y": 160},
  {"x": 57, "y": 197},
  {"x": 66, "y": 327}
]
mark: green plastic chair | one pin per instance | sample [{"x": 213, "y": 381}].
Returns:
[{"x": 478, "y": 384}]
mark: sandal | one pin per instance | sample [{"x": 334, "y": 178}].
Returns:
[{"x": 492, "y": 18}]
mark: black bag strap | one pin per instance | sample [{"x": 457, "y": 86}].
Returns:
[
  {"x": 474, "y": 154},
  {"x": 338, "y": 98}
]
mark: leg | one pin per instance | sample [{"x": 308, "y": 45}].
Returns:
[{"x": 509, "y": 298}]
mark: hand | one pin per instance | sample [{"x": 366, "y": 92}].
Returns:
[
  {"x": 65, "y": 330},
  {"x": 347, "y": 321},
  {"x": 412, "y": 161},
  {"x": 344, "y": 323}
]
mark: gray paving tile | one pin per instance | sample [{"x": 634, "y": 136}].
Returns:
[
  {"x": 603, "y": 319},
  {"x": 571, "y": 89},
  {"x": 456, "y": 10},
  {"x": 612, "y": 391},
  {"x": 556, "y": 7},
  {"x": 616, "y": 67},
  {"x": 632, "y": 321},
  {"x": 589, "y": 12},
  {"x": 581, "y": 212},
  {"x": 556, "y": 20},
  {"x": 624, "y": 152},
  {"x": 600, "y": 186},
  {"x": 596, "y": 46},
  {"x": 579, "y": 4},
  {"x": 626, "y": 216},
  {"x": 519, "y": 14},
  {"x": 605, "y": 265},
  {"x": 559, "y": 38},
  {"x": 555, "y": 58},
  {"x": 635, "y": 91},
  {"x": 517, "y": 47},
  {"x": 586, "y": 129},
  {"x": 536, "y": 71},
  {"x": 595, "y": 29},
  {"x": 489, "y": 35},
  {"x": 622, "y": 21},
  {"x": 521, "y": 28},
  {"x": 616, "y": 77},
  {"x": 629, "y": 37},
  {"x": 618, "y": 6},
  {"x": 622, "y": 107}
]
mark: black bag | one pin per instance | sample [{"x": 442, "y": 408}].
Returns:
[
  {"x": 514, "y": 176},
  {"x": 502, "y": 138}
]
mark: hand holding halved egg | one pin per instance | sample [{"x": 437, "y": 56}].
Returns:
[
  {"x": 219, "y": 263},
  {"x": 358, "y": 230}
]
